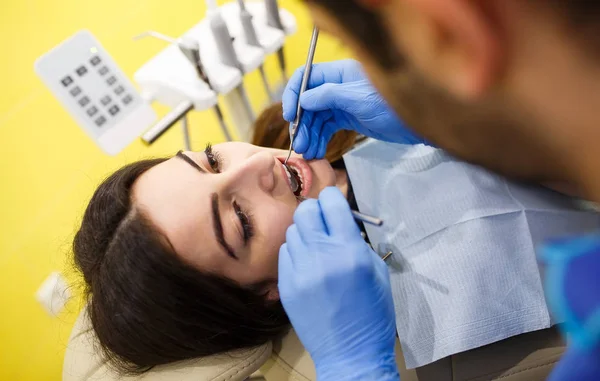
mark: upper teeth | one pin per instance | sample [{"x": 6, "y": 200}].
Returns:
[
  {"x": 299, "y": 174},
  {"x": 289, "y": 174}
]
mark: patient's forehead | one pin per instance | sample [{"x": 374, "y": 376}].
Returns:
[{"x": 176, "y": 199}]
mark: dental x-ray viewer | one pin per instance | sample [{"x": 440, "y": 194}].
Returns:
[{"x": 506, "y": 84}]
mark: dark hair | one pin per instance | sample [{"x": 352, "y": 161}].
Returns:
[
  {"x": 582, "y": 18},
  {"x": 148, "y": 307},
  {"x": 271, "y": 130},
  {"x": 366, "y": 27}
]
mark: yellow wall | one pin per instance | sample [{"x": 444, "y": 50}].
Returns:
[{"x": 49, "y": 168}]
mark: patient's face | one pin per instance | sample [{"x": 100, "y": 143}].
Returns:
[{"x": 226, "y": 210}]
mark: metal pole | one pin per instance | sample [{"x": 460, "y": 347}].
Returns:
[
  {"x": 222, "y": 123},
  {"x": 186, "y": 133}
]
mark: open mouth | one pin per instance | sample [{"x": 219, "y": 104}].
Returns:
[
  {"x": 299, "y": 175},
  {"x": 295, "y": 179}
]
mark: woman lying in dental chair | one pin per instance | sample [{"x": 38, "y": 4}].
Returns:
[{"x": 179, "y": 256}]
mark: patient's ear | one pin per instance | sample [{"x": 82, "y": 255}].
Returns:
[{"x": 272, "y": 291}]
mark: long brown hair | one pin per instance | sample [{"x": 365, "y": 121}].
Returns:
[
  {"x": 147, "y": 306},
  {"x": 271, "y": 130}
]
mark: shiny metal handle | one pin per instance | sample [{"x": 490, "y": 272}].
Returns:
[
  {"x": 366, "y": 218},
  {"x": 305, "y": 78},
  {"x": 167, "y": 122}
]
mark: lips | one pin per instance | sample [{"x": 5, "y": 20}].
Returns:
[{"x": 302, "y": 169}]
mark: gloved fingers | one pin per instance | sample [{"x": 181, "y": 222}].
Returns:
[
  {"x": 336, "y": 213},
  {"x": 302, "y": 140},
  {"x": 286, "y": 271},
  {"x": 349, "y": 97},
  {"x": 321, "y": 73},
  {"x": 286, "y": 263},
  {"x": 323, "y": 97},
  {"x": 309, "y": 221},
  {"x": 308, "y": 134},
  {"x": 315, "y": 133},
  {"x": 289, "y": 98},
  {"x": 329, "y": 129},
  {"x": 340, "y": 71},
  {"x": 295, "y": 246},
  {"x": 322, "y": 148}
]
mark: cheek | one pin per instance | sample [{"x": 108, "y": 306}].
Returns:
[
  {"x": 274, "y": 224},
  {"x": 323, "y": 176}
]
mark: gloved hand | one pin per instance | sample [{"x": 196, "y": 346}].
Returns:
[
  {"x": 578, "y": 365},
  {"x": 573, "y": 293},
  {"x": 336, "y": 292},
  {"x": 340, "y": 97}
]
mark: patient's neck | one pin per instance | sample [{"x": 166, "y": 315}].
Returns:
[{"x": 341, "y": 181}]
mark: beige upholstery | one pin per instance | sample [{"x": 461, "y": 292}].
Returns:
[
  {"x": 291, "y": 362},
  {"x": 83, "y": 363},
  {"x": 285, "y": 360}
]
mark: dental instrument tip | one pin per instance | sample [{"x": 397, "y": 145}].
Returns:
[
  {"x": 289, "y": 150},
  {"x": 386, "y": 256}
]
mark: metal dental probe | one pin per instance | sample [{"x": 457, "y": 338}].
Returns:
[
  {"x": 303, "y": 86},
  {"x": 360, "y": 217},
  {"x": 191, "y": 50}
]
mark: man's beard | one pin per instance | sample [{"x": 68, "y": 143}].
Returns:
[{"x": 494, "y": 133}]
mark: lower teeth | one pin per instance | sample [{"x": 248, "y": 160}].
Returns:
[{"x": 297, "y": 178}]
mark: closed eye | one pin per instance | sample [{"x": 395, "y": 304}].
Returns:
[{"x": 245, "y": 221}]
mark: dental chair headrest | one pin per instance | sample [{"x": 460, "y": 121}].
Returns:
[{"x": 83, "y": 362}]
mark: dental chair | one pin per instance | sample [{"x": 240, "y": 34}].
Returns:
[{"x": 284, "y": 360}]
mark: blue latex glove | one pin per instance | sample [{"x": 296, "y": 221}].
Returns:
[
  {"x": 577, "y": 365},
  {"x": 340, "y": 97},
  {"x": 336, "y": 292},
  {"x": 573, "y": 293}
]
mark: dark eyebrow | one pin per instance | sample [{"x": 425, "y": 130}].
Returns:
[
  {"x": 218, "y": 226},
  {"x": 191, "y": 162}
]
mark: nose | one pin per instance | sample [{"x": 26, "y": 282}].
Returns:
[{"x": 255, "y": 171}]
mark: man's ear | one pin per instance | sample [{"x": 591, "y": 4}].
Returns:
[{"x": 454, "y": 43}]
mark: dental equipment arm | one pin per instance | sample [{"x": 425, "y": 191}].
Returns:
[
  {"x": 336, "y": 292},
  {"x": 339, "y": 96},
  {"x": 191, "y": 50},
  {"x": 274, "y": 20},
  {"x": 252, "y": 39},
  {"x": 167, "y": 121},
  {"x": 226, "y": 50}
]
